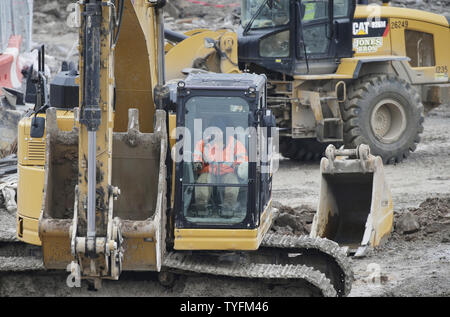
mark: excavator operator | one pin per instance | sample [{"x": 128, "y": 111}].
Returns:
[{"x": 219, "y": 164}]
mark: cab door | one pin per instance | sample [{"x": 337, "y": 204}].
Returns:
[{"x": 324, "y": 35}]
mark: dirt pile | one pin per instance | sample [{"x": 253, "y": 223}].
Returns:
[
  {"x": 430, "y": 221},
  {"x": 438, "y": 6},
  {"x": 293, "y": 220},
  {"x": 184, "y": 15}
]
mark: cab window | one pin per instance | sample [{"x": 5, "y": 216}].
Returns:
[
  {"x": 420, "y": 48},
  {"x": 215, "y": 173},
  {"x": 273, "y": 13}
]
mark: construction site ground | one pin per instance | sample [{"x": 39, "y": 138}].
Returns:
[{"x": 416, "y": 263}]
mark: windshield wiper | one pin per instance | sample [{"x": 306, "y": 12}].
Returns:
[{"x": 249, "y": 24}]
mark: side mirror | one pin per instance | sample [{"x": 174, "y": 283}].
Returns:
[{"x": 37, "y": 127}]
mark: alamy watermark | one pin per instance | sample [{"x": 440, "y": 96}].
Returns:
[{"x": 261, "y": 144}]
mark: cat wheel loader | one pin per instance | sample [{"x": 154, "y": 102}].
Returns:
[
  {"x": 110, "y": 169},
  {"x": 339, "y": 73}
]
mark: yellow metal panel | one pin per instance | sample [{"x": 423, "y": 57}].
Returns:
[
  {"x": 441, "y": 37},
  {"x": 141, "y": 100},
  {"x": 382, "y": 208},
  {"x": 224, "y": 239},
  {"x": 172, "y": 127},
  {"x": 399, "y": 13},
  {"x": 29, "y": 191},
  {"x": 401, "y": 19},
  {"x": 31, "y": 160},
  {"x": 139, "y": 255},
  {"x": 31, "y": 151},
  {"x": 133, "y": 77},
  {"x": 347, "y": 67},
  {"x": 216, "y": 239},
  {"x": 28, "y": 230},
  {"x": 56, "y": 252},
  {"x": 186, "y": 53},
  {"x": 65, "y": 120},
  {"x": 383, "y": 224},
  {"x": 26, "y": 143},
  {"x": 147, "y": 20},
  {"x": 172, "y": 141}
]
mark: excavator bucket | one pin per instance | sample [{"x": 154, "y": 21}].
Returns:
[
  {"x": 139, "y": 170},
  {"x": 355, "y": 204}
]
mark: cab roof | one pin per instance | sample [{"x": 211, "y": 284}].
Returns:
[
  {"x": 363, "y": 11},
  {"x": 242, "y": 81}
]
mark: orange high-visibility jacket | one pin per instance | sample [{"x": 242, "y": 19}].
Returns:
[{"x": 220, "y": 161}]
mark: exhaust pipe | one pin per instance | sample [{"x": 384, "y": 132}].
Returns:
[{"x": 173, "y": 36}]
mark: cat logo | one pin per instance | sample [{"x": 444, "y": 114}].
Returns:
[
  {"x": 361, "y": 28},
  {"x": 369, "y": 28}
]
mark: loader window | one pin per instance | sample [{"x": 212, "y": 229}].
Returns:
[
  {"x": 341, "y": 8},
  {"x": 215, "y": 176},
  {"x": 315, "y": 39},
  {"x": 276, "y": 45},
  {"x": 315, "y": 26},
  {"x": 273, "y": 13},
  {"x": 420, "y": 48},
  {"x": 315, "y": 10}
]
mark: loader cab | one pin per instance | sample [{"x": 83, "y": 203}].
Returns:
[
  {"x": 222, "y": 157},
  {"x": 295, "y": 37}
]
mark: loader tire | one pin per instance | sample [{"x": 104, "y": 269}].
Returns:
[
  {"x": 384, "y": 112},
  {"x": 302, "y": 149}
]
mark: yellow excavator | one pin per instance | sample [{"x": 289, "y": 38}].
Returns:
[{"x": 109, "y": 178}]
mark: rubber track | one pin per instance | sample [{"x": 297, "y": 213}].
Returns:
[
  {"x": 189, "y": 263},
  {"x": 24, "y": 261},
  {"x": 322, "y": 245}
]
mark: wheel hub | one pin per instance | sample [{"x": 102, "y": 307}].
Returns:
[{"x": 388, "y": 121}]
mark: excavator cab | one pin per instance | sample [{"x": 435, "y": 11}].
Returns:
[
  {"x": 222, "y": 162},
  {"x": 296, "y": 37}
]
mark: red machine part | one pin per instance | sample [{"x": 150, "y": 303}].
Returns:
[{"x": 10, "y": 73}]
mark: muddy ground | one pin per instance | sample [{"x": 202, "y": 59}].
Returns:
[{"x": 409, "y": 264}]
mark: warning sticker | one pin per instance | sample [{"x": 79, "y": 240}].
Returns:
[
  {"x": 367, "y": 45},
  {"x": 441, "y": 76}
]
